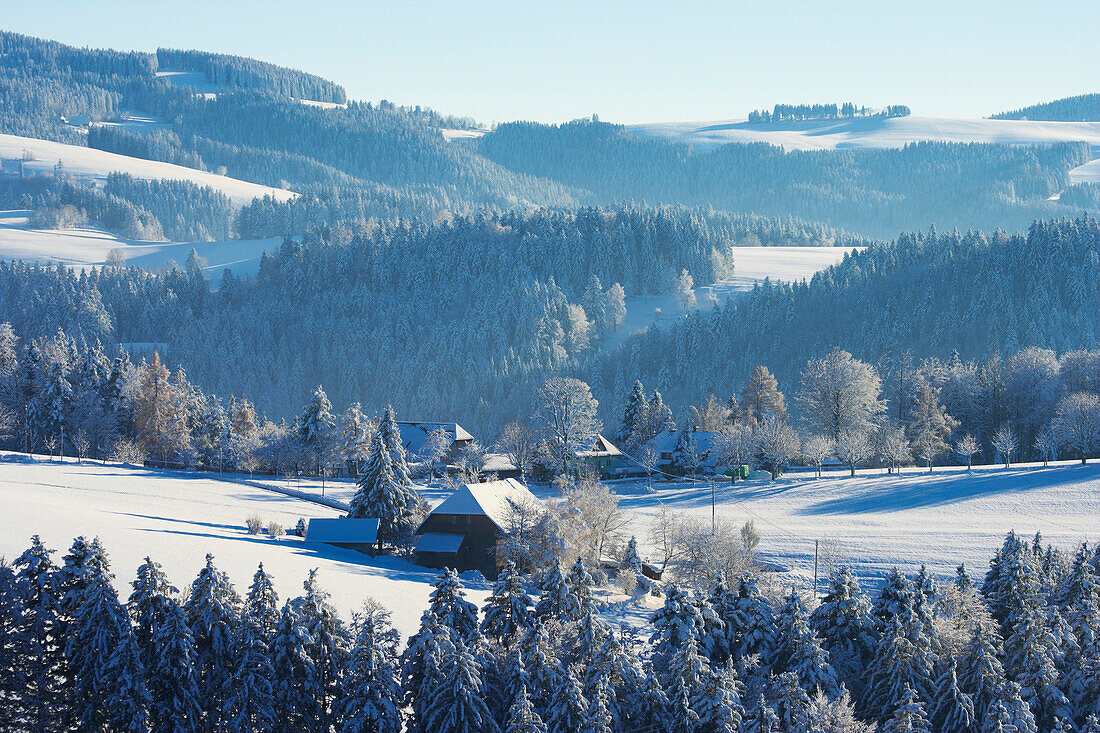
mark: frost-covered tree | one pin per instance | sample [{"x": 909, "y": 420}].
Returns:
[
  {"x": 297, "y": 690},
  {"x": 35, "y": 653},
  {"x": 371, "y": 702},
  {"x": 815, "y": 449},
  {"x": 753, "y": 622},
  {"x": 262, "y": 603},
  {"x": 508, "y": 610},
  {"x": 761, "y": 719},
  {"x": 633, "y": 416},
  {"x": 213, "y": 614},
  {"x": 328, "y": 645},
  {"x": 568, "y": 709},
  {"x": 355, "y": 436},
  {"x": 930, "y": 425},
  {"x": 799, "y": 650},
  {"x": 952, "y": 708},
  {"x": 840, "y": 394},
  {"x": 854, "y": 447},
  {"x": 554, "y": 598},
  {"x": 449, "y": 605},
  {"x": 566, "y": 415},
  {"x": 316, "y": 429},
  {"x": 1077, "y": 423},
  {"x": 631, "y": 561},
  {"x": 776, "y": 443},
  {"x": 173, "y": 677},
  {"x": 385, "y": 489},
  {"x": 899, "y": 665},
  {"x": 909, "y": 716},
  {"x": 579, "y": 598},
  {"x": 522, "y": 716},
  {"x": 250, "y": 702},
  {"x": 543, "y": 669},
  {"x": 518, "y": 444},
  {"x": 968, "y": 447},
  {"x": 844, "y": 623},
  {"x": 1004, "y": 443}
]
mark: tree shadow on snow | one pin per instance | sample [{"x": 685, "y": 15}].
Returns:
[{"x": 915, "y": 491}]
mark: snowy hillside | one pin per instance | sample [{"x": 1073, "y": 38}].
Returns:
[
  {"x": 87, "y": 246},
  {"x": 178, "y": 518},
  {"x": 871, "y": 132},
  {"x": 92, "y": 164},
  {"x": 751, "y": 266}
]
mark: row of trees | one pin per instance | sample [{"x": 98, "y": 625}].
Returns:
[
  {"x": 1020, "y": 653},
  {"x": 1053, "y": 410},
  {"x": 798, "y": 112}
]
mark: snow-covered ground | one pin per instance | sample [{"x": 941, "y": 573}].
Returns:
[
  {"x": 177, "y": 518},
  {"x": 454, "y": 134},
  {"x": 94, "y": 165},
  {"x": 194, "y": 80},
  {"x": 751, "y": 265},
  {"x": 879, "y": 520},
  {"x": 89, "y": 246},
  {"x": 871, "y": 132}
]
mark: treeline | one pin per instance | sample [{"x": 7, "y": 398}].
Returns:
[
  {"x": 876, "y": 192},
  {"x": 799, "y": 112},
  {"x": 1017, "y": 652},
  {"x": 1082, "y": 108},
  {"x": 891, "y": 305},
  {"x": 132, "y": 208},
  {"x": 237, "y": 72}
]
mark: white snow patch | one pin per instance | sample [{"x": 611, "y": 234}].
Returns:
[
  {"x": 88, "y": 246},
  {"x": 454, "y": 134},
  {"x": 872, "y": 132},
  {"x": 94, "y": 165},
  {"x": 751, "y": 265},
  {"x": 176, "y": 518},
  {"x": 196, "y": 81}
]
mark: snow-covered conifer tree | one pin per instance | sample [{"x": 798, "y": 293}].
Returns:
[
  {"x": 754, "y": 622},
  {"x": 952, "y": 708},
  {"x": 508, "y": 610},
  {"x": 147, "y": 603},
  {"x": 799, "y": 650},
  {"x": 579, "y": 583},
  {"x": 457, "y": 703},
  {"x": 250, "y": 702},
  {"x": 296, "y": 691},
  {"x": 792, "y": 704},
  {"x": 761, "y": 719},
  {"x": 172, "y": 676},
  {"x": 844, "y": 623},
  {"x": 262, "y": 603},
  {"x": 909, "y": 716},
  {"x": 568, "y": 710},
  {"x": 631, "y": 560},
  {"x": 328, "y": 645},
  {"x": 449, "y": 605},
  {"x": 633, "y": 415},
  {"x": 522, "y": 716},
  {"x": 554, "y": 600},
  {"x": 372, "y": 692},
  {"x": 35, "y": 645},
  {"x": 213, "y": 615},
  {"x": 385, "y": 489}
]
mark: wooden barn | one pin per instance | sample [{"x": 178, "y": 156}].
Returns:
[
  {"x": 462, "y": 532},
  {"x": 415, "y": 434}
]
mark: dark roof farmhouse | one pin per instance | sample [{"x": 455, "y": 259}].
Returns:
[{"x": 462, "y": 532}]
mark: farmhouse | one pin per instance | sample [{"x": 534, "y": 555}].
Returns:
[
  {"x": 415, "y": 434},
  {"x": 600, "y": 455},
  {"x": 462, "y": 532},
  {"x": 352, "y": 534},
  {"x": 666, "y": 444}
]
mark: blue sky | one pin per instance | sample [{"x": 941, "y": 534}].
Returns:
[{"x": 626, "y": 61}]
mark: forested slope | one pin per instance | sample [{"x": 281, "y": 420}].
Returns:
[{"x": 1082, "y": 108}]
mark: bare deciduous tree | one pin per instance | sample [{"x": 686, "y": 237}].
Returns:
[
  {"x": 853, "y": 448},
  {"x": 815, "y": 450},
  {"x": 840, "y": 394},
  {"x": 1005, "y": 443},
  {"x": 666, "y": 533},
  {"x": 735, "y": 446},
  {"x": 566, "y": 413},
  {"x": 1046, "y": 444},
  {"x": 647, "y": 458},
  {"x": 777, "y": 443},
  {"x": 1077, "y": 423},
  {"x": 517, "y": 443},
  {"x": 968, "y": 447}
]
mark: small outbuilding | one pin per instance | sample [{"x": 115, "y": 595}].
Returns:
[
  {"x": 351, "y": 534},
  {"x": 462, "y": 532}
]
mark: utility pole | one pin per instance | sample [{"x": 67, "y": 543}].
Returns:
[
  {"x": 713, "y": 519},
  {"x": 816, "y": 543}
]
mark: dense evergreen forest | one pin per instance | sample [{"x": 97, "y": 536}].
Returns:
[
  {"x": 1082, "y": 108},
  {"x": 923, "y": 295},
  {"x": 1014, "y": 651}
]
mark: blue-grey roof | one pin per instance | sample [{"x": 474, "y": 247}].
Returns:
[{"x": 342, "y": 530}]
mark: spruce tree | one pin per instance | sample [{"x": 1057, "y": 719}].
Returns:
[
  {"x": 631, "y": 561},
  {"x": 981, "y": 673},
  {"x": 147, "y": 606},
  {"x": 542, "y": 667},
  {"x": 448, "y": 604},
  {"x": 909, "y": 716},
  {"x": 636, "y": 405},
  {"x": 422, "y": 666},
  {"x": 568, "y": 710},
  {"x": 554, "y": 601},
  {"x": 328, "y": 645},
  {"x": 262, "y": 603},
  {"x": 315, "y": 428},
  {"x": 213, "y": 615},
  {"x": 761, "y": 719},
  {"x": 792, "y": 704},
  {"x": 674, "y": 624},
  {"x": 579, "y": 598},
  {"x": 297, "y": 692},
  {"x": 172, "y": 675},
  {"x": 457, "y": 702},
  {"x": 37, "y": 647},
  {"x": 843, "y": 622},
  {"x": 753, "y": 622},
  {"x": 799, "y": 650},
  {"x": 250, "y": 703},
  {"x": 522, "y": 716},
  {"x": 385, "y": 489},
  {"x": 372, "y": 691},
  {"x": 952, "y": 708},
  {"x": 719, "y": 708},
  {"x": 899, "y": 665},
  {"x": 508, "y": 610},
  {"x": 16, "y": 654}
]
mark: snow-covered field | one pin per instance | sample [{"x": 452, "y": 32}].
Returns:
[
  {"x": 871, "y": 132},
  {"x": 879, "y": 520},
  {"x": 177, "y": 518},
  {"x": 88, "y": 246},
  {"x": 92, "y": 164},
  {"x": 751, "y": 265}
]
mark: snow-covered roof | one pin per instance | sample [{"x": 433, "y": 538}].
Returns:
[
  {"x": 497, "y": 463},
  {"x": 415, "y": 434},
  {"x": 439, "y": 542},
  {"x": 600, "y": 447},
  {"x": 332, "y": 530},
  {"x": 665, "y": 441},
  {"x": 492, "y": 499}
]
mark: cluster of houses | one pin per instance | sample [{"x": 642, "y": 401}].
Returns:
[{"x": 463, "y": 530}]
